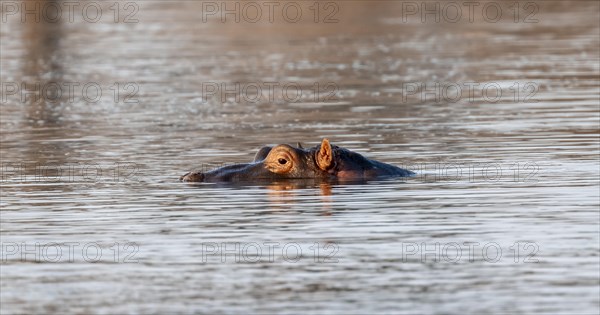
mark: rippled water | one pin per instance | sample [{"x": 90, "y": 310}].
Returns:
[{"x": 502, "y": 218}]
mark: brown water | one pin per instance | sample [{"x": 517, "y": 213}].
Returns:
[{"x": 518, "y": 174}]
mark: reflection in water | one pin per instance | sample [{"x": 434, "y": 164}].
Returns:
[
  {"x": 44, "y": 96},
  {"x": 42, "y": 67},
  {"x": 285, "y": 193}
]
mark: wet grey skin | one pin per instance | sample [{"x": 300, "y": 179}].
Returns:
[{"x": 284, "y": 162}]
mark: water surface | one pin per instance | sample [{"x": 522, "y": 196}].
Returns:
[{"x": 518, "y": 174}]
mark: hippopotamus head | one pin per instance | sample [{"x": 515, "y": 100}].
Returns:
[{"x": 283, "y": 162}]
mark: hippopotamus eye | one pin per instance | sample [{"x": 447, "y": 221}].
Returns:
[{"x": 282, "y": 161}]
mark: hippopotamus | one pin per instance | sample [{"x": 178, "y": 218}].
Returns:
[{"x": 284, "y": 162}]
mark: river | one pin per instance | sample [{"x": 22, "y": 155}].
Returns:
[{"x": 497, "y": 114}]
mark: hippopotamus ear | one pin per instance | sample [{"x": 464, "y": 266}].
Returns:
[
  {"x": 325, "y": 155},
  {"x": 262, "y": 154}
]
